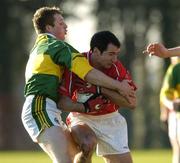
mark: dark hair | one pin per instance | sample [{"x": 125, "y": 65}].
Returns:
[
  {"x": 101, "y": 40},
  {"x": 44, "y": 16}
]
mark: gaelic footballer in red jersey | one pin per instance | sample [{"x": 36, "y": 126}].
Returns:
[{"x": 81, "y": 91}]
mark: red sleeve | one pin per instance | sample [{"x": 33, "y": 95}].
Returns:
[{"x": 66, "y": 86}]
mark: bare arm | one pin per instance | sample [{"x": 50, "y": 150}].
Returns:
[
  {"x": 160, "y": 50},
  {"x": 66, "y": 104},
  {"x": 172, "y": 52},
  {"x": 118, "y": 99},
  {"x": 96, "y": 77}
]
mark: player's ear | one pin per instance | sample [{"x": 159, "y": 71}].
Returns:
[
  {"x": 96, "y": 51},
  {"x": 48, "y": 28}
]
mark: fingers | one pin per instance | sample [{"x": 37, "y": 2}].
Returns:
[
  {"x": 129, "y": 94},
  {"x": 128, "y": 99},
  {"x": 150, "y": 50}
]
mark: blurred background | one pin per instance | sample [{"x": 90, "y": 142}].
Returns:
[{"x": 135, "y": 23}]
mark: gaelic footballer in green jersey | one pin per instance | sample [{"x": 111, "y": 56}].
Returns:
[{"x": 46, "y": 64}]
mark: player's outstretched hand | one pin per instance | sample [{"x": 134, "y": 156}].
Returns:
[{"x": 157, "y": 49}]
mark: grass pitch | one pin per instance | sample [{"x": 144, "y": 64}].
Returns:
[{"x": 139, "y": 156}]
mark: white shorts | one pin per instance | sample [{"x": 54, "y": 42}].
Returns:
[
  {"x": 39, "y": 113},
  {"x": 174, "y": 125},
  {"x": 110, "y": 129}
]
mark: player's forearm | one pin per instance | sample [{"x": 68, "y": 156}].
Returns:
[
  {"x": 98, "y": 78},
  {"x": 66, "y": 104},
  {"x": 118, "y": 99},
  {"x": 174, "y": 52}
]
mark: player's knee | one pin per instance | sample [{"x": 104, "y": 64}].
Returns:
[
  {"x": 93, "y": 143},
  {"x": 86, "y": 149},
  {"x": 88, "y": 145}
]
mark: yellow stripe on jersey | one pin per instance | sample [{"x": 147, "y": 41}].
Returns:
[
  {"x": 43, "y": 64},
  {"x": 170, "y": 93},
  {"x": 80, "y": 65},
  {"x": 177, "y": 93},
  {"x": 41, "y": 39}
]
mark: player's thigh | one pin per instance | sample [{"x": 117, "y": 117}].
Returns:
[
  {"x": 54, "y": 141},
  {"x": 83, "y": 135},
  {"x": 118, "y": 158},
  {"x": 72, "y": 146}
]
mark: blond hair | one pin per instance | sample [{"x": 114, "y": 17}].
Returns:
[{"x": 44, "y": 16}]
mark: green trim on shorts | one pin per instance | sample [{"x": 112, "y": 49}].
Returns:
[
  {"x": 39, "y": 112},
  {"x": 45, "y": 113}
]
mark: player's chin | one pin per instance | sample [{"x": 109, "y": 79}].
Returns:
[{"x": 61, "y": 37}]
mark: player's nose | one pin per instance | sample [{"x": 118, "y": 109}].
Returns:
[{"x": 114, "y": 58}]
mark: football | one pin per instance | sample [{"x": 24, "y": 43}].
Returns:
[{"x": 83, "y": 97}]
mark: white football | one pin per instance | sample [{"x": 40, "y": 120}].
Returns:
[{"x": 83, "y": 97}]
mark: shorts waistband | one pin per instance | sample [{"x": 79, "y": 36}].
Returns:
[
  {"x": 30, "y": 97},
  {"x": 102, "y": 116}
]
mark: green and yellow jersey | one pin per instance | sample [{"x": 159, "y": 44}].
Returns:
[
  {"x": 46, "y": 64},
  {"x": 171, "y": 85}
]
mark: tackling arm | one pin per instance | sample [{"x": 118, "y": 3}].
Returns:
[
  {"x": 82, "y": 69},
  {"x": 98, "y": 78},
  {"x": 118, "y": 99}
]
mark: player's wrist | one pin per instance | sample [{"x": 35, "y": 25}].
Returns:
[
  {"x": 117, "y": 86},
  {"x": 168, "y": 52}
]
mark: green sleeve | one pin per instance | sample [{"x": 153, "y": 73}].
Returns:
[{"x": 60, "y": 53}]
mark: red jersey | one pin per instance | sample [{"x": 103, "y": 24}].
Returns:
[{"x": 117, "y": 71}]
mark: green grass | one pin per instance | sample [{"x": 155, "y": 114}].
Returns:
[{"x": 139, "y": 156}]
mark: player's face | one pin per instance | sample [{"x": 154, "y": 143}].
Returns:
[
  {"x": 59, "y": 30},
  {"x": 109, "y": 56}
]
